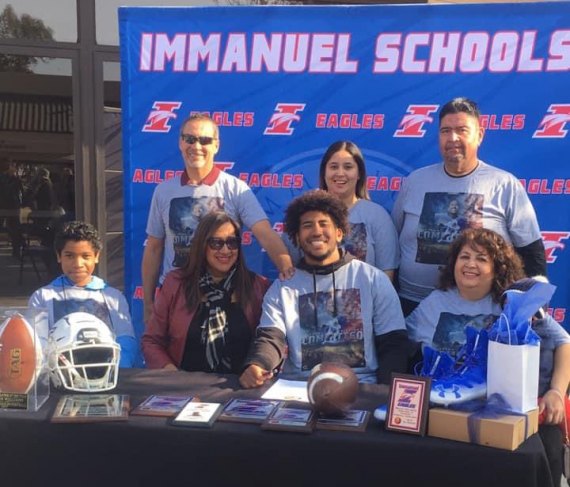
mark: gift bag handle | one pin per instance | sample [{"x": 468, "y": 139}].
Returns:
[{"x": 504, "y": 316}]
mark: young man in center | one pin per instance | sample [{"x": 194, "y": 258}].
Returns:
[{"x": 335, "y": 308}]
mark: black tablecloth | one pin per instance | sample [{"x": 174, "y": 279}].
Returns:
[{"x": 145, "y": 451}]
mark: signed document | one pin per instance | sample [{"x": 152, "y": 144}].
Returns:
[{"x": 287, "y": 390}]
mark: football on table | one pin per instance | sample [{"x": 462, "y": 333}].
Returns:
[
  {"x": 332, "y": 388},
  {"x": 20, "y": 355}
]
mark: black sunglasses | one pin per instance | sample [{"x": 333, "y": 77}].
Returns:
[
  {"x": 216, "y": 243},
  {"x": 192, "y": 139}
]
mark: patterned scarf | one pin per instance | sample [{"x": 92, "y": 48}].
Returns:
[{"x": 215, "y": 326}]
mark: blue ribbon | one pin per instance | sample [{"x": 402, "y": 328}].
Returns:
[{"x": 492, "y": 408}]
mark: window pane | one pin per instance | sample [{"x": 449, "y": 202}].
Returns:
[
  {"x": 37, "y": 188},
  {"x": 39, "y": 20},
  {"x": 114, "y": 249},
  {"x": 107, "y": 19}
]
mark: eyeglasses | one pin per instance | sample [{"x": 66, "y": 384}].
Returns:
[
  {"x": 232, "y": 243},
  {"x": 192, "y": 139}
]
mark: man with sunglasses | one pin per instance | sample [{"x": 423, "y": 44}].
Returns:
[
  {"x": 179, "y": 203},
  {"x": 335, "y": 308}
]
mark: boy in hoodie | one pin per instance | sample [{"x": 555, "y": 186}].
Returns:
[
  {"x": 78, "y": 247},
  {"x": 335, "y": 307}
]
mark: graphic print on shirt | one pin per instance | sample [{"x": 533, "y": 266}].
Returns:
[
  {"x": 91, "y": 306},
  {"x": 449, "y": 333},
  {"x": 326, "y": 337},
  {"x": 355, "y": 242},
  {"x": 183, "y": 218},
  {"x": 443, "y": 217}
]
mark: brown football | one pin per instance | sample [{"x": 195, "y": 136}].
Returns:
[
  {"x": 17, "y": 355},
  {"x": 332, "y": 388}
]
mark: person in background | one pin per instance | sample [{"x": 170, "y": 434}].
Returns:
[
  {"x": 11, "y": 194},
  {"x": 78, "y": 248},
  {"x": 205, "y": 315}
]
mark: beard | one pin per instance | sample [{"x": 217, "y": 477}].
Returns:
[{"x": 319, "y": 257}]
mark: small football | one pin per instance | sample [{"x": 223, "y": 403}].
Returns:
[
  {"x": 18, "y": 355},
  {"x": 332, "y": 388}
]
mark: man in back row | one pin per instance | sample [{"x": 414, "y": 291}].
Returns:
[
  {"x": 437, "y": 202},
  {"x": 179, "y": 203}
]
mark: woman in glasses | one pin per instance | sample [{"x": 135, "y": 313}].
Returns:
[
  {"x": 372, "y": 237},
  {"x": 205, "y": 314}
]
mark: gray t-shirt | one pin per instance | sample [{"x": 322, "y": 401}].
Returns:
[
  {"x": 439, "y": 321},
  {"x": 432, "y": 208},
  {"x": 303, "y": 309},
  {"x": 176, "y": 209}
]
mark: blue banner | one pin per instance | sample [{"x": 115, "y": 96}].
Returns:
[{"x": 284, "y": 82}]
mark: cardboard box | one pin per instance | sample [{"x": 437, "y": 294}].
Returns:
[{"x": 506, "y": 432}]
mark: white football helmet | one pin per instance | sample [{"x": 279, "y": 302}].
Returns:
[{"x": 83, "y": 355}]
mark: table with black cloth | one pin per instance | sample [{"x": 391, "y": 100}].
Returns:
[{"x": 146, "y": 451}]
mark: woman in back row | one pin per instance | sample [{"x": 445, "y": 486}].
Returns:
[{"x": 372, "y": 237}]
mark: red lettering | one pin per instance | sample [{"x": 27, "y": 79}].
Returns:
[
  {"x": 254, "y": 180},
  {"x": 248, "y": 119},
  {"x": 506, "y": 122},
  {"x": 557, "y": 186},
  {"x": 382, "y": 184},
  {"x": 333, "y": 121},
  {"x": 396, "y": 184},
  {"x": 246, "y": 238},
  {"x": 378, "y": 121},
  {"x": 287, "y": 180},
  {"x": 321, "y": 120},
  {"x": 138, "y": 294},
  {"x": 544, "y": 187},
  {"x": 298, "y": 181},
  {"x": 518, "y": 121},
  {"x": 533, "y": 186},
  {"x": 367, "y": 121},
  {"x": 559, "y": 314},
  {"x": 138, "y": 176}
]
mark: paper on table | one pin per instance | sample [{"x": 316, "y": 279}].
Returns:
[{"x": 287, "y": 390}]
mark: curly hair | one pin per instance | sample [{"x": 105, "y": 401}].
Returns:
[
  {"x": 361, "y": 190},
  {"x": 315, "y": 200},
  {"x": 77, "y": 231},
  {"x": 196, "y": 264},
  {"x": 507, "y": 265}
]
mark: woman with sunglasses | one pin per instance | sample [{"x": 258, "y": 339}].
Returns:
[
  {"x": 372, "y": 237},
  {"x": 205, "y": 314}
]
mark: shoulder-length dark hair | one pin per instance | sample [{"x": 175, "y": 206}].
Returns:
[
  {"x": 196, "y": 265},
  {"x": 361, "y": 190},
  {"x": 507, "y": 265}
]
